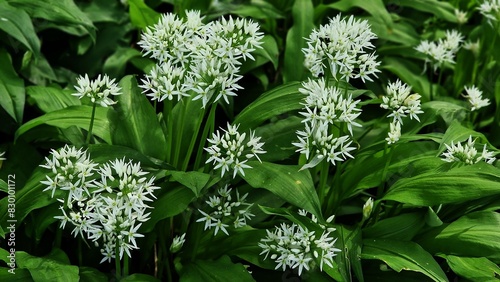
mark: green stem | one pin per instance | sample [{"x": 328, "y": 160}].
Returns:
[
  {"x": 91, "y": 126},
  {"x": 195, "y": 137},
  {"x": 117, "y": 261},
  {"x": 209, "y": 128},
  {"x": 125, "y": 264},
  {"x": 325, "y": 166},
  {"x": 167, "y": 115},
  {"x": 439, "y": 77},
  {"x": 430, "y": 82},
  {"x": 80, "y": 256},
  {"x": 178, "y": 139}
]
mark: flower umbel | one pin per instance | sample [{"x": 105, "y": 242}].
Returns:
[
  {"x": 97, "y": 90},
  {"x": 441, "y": 51},
  {"x": 475, "y": 97},
  {"x": 231, "y": 150},
  {"x": 226, "y": 210},
  {"x": 467, "y": 153},
  {"x": 490, "y": 10},
  {"x": 343, "y": 44}
]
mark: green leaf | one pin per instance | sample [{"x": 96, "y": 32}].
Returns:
[
  {"x": 409, "y": 73},
  {"x": 277, "y": 101},
  {"x": 456, "y": 185},
  {"x": 403, "y": 256},
  {"x": 12, "y": 95},
  {"x": 402, "y": 227},
  {"x": 193, "y": 180},
  {"x": 278, "y": 137},
  {"x": 287, "y": 182},
  {"x": 473, "y": 269},
  {"x": 62, "y": 14},
  {"x": 115, "y": 64},
  {"x": 75, "y": 116},
  {"x": 441, "y": 9},
  {"x": 449, "y": 112},
  {"x": 269, "y": 50},
  {"x": 89, "y": 274},
  {"x": 171, "y": 203},
  {"x": 140, "y": 277},
  {"x": 43, "y": 269},
  {"x": 141, "y": 15},
  {"x": 214, "y": 271},
  {"x": 50, "y": 99},
  {"x": 258, "y": 9},
  {"x": 458, "y": 133},
  {"x": 17, "y": 23},
  {"x": 303, "y": 16},
  {"x": 376, "y": 8},
  {"x": 474, "y": 235},
  {"x": 18, "y": 275},
  {"x": 102, "y": 153},
  {"x": 137, "y": 125}
]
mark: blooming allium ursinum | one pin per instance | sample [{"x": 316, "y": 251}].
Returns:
[
  {"x": 343, "y": 43},
  {"x": 231, "y": 150},
  {"x": 97, "y": 90},
  {"x": 475, "y": 97},
  {"x": 120, "y": 206},
  {"x": 461, "y": 16},
  {"x": 296, "y": 247},
  {"x": 443, "y": 50},
  {"x": 226, "y": 210},
  {"x": 325, "y": 108},
  {"x": 165, "y": 81},
  {"x": 206, "y": 55},
  {"x": 490, "y": 10},
  {"x": 177, "y": 243},
  {"x": 402, "y": 104},
  {"x": 467, "y": 153}
]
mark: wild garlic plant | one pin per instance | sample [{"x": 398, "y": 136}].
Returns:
[
  {"x": 467, "y": 153},
  {"x": 106, "y": 203}
]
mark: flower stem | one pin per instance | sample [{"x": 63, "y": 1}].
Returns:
[
  {"x": 80, "y": 257},
  {"x": 117, "y": 261},
  {"x": 209, "y": 128},
  {"x": 125, "y": 264},
  {"x": 195, "y": 137},
  {"x": 325, "y": 166},
  {"x": 91, "y": 126},
  {"x": 167, "y": 115},
  {"x": 430, "y": 83}
]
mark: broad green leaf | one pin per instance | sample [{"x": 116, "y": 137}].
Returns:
[
  {"x": 401, "y": 32},
  {"x": 44, "y": 269},
  {"x": 277, "y": 101},
  {"x": 137, "y": 126},
  {"x": 18, "y": 275},
  {"x": 269, "y": 50},
  {"x": 171, "y": 203},
  {"x": 456, "y": 185},
  {"x": 473, "y": 269},
  {"x": 115, "y": 64},
  {"x": 402, "y": 227},
  {"x": 102, "y": 153},
  {"x": 449, "y": 112},
  {"x": 43, "y": 218},
  {"x": 193, "y": 180},
  {"x": 140, "y": 277},
  {"x": 75, "y": 116},
  {"x": 258, "y": 9},
  {"x": 303, "y": 16},
  {"x": 441, "y": 9},
  {"x": 350, "y": 242},
  {"x": 89, "y": 274},
  {"x": 50, "y": 99},
  {"x": 400, "y": 255},
  {"x": 17, "y": 23},
  {"x": 376, "y": 8},
  {"x": 141, "y": 15},
  {"x": 222, "y": 269},
  {"x": 473, "y": 235},
  {"x": 61, "y": 14},
  {"x": 105, "y": 11},
  {"x": 278, "y": 138},
  {"x": 12, "y": 95},
  {"x": 287, "y": 182}
]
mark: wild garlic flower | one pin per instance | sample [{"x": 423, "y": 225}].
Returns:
[
  {"x": 165, "y": 81},
  {"x": 461, "y": 16},
  {"x": 177, "y": 243},
  {"x": 73, "y": 171},
  {"x": 472, "y": 46},
  {"x": 367, "y": 208},
  {"x": 226, "y": 210},
  {"x": 98, "y": 90},
  {"x": 401, "y": 102},
  {"x": 475, "y": 97},
  {"x": 394, "y": 132},
  {"x": 442, "y": 51},
  {"x": 490, "y": 10},
  {"x": 205, "y": 57},
  {"x": 467, "y": 153},
  {"x": 326, "y": 107},
  {"x": 231, "y": 150},
  {"x": 296, "y": 247},
  {"x": 343, "y": 43}
]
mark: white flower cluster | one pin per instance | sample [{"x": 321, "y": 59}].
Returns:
[
  {"x": 177, "y": 243},
  {"x": 294, "y": 246},
  {"x": 344, "y": 44},
  {"x": 490, "y": 10},
  {"x": 98, "y": 90},
  {"x": 475, "y": 97},
  {"x": 467, "y": 153},
  {"x": 402, "y": 104},
  {"x": 201, "y": 58},
  {"x": 225, "y": 210},
  {"x": 461, "y": 16},
  {"x": 111, "y": 207},
  {"x": 442, "y": 51},
  {"x": 326, "y": 107},
  {"x": 231, "y": 150}
]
